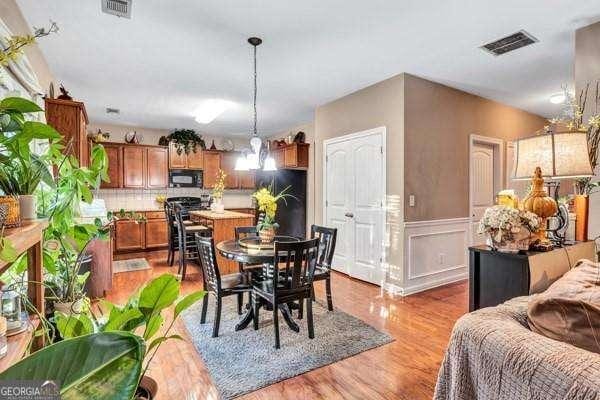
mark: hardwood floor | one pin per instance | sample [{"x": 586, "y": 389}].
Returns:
[{"x": 404, "y": 369}]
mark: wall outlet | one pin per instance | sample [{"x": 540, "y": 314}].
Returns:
[
  {"x": 441, "y": 258},
  {"x": 411, "y": 200}
]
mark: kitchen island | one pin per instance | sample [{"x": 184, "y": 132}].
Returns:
[{"x": 223, "y": 226}]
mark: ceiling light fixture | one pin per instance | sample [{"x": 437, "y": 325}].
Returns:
[
  {"x": 255, "y": 158},
  {"x": 210, "y": 109},
  {"x": 558, "y": 98}
]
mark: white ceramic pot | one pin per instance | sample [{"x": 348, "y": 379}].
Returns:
[
  {"x": 68, "y": 308},
  {"x": 28, "y": 206}
]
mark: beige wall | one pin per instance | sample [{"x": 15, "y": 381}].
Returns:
[
  {"x": 377, "y": 105},
  {"x": 587, "y": 69},
  {"x": 309, "y": 130},
  {"x": 12, "y": 17},
  {"x": 438, "y": 122}
]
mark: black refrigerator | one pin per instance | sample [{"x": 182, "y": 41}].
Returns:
[{"x": 291, "y": 217}]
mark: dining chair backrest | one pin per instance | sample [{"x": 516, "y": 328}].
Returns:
[
  {"x": 245, "y": 231},
  {"x": 294, "y": 266},
  {"x": 327, "y": 238},
  {"x": 208, "y": 261}
]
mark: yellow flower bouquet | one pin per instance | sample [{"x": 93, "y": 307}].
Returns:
[{"x": 267, "y": 203}]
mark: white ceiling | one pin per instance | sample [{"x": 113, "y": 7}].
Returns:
[{"x": 157, "y": 66}]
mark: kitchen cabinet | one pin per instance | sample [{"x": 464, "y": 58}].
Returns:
[
  {"x": 228, "y": 160},
  {"x": 114, "y": 154},
  {"x": 134, "y": 167},
  {"x": 247, "y": 179},
  {"x": 212, "y": 164},
  {"x": 149, "y": 234},
  {"x": 291, "y": 156},
  {"x": 156, "y": 167},
  {"x": 129, "y": 235},
  {"x": 70, "y": 119},
  {"x": 185, "y": 161}
]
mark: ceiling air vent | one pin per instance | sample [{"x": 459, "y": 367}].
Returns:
[
  {"x": 120, "y": 8},
  {"x": 113, "y": 110},
  {"x": 509, "y": 43}
]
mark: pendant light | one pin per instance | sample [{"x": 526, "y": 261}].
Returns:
[{"x": 251, "y": 160}]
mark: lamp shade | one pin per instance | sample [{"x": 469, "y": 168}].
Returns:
[{"x": 559, "y": 155}]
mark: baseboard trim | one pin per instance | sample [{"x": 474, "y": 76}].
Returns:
[
  {"x": 436, "y": 222},
  {"x": 433, "y": 284}
]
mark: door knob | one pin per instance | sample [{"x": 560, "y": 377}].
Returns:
[{"x": 349, "y": 215}]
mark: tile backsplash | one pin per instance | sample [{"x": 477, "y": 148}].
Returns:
[{"x": 145, "y": 199}]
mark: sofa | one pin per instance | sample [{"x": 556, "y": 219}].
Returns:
[{"x": 493, "y": 354}]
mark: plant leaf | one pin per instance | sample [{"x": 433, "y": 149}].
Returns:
[
  {"x": 158, "y": 294},
  {"x": 100, "y": 366},
  {"x": 19, "y": 104},
  {"x": 187, "y": 301},
  {"x": 116, "y": 321},
  {"x": 39, "y": 130},
  {"x": 153, "y": 326},
  {"x": 162, "y": 339}
]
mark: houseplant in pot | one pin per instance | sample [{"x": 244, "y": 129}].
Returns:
[
  {"x": 267, "y": 205},
  {"x": 143, "y": 314},
  {"x": 186, "y": 140}
]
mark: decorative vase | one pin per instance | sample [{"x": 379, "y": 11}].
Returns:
[
  {"x": 27, "y": 202},
  {"x": 267, "y": 235},
  {"x": 218, "y": 206},
  {"x": 510, "y": 243},
  {"x": 582, "y": 213},
  {"x": 13, "y": 214}
]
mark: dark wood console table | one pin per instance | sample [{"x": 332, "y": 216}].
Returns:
[{"x": 495, "y": 277}]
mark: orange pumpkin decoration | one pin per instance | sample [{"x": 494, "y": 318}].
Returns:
[{"x": 539, "y": 203}]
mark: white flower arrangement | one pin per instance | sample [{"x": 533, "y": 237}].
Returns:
[{"x": 503, "y": 222}]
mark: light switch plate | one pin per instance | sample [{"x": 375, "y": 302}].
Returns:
[{"x": 411, "y": 200}]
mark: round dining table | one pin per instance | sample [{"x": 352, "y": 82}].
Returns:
[{"x": 254, "y": 256}]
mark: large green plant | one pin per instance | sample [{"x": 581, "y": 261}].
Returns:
[
  {"x": 186, "y": 140},
  {"x": 100, "y": 366},
  {"x": 143, "y": 313}
]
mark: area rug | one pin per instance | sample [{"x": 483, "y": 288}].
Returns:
[
  {"x": 133, "y": 264},
  {"x": 244, "y": 361}
]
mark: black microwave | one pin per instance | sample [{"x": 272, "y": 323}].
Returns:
[{"x": 185, "y": 178}]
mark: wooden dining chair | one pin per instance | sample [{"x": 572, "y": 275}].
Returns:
[
  {"x": 291, "y": 281},
  {"x": 327, "y": 238},
  {"x": 215, "y": 284},
  {"x": 187, "y": 245}
]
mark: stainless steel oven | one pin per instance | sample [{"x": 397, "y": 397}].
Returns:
[{"x": 185, "y": 178}]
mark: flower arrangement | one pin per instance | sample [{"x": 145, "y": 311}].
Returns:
[
  {"x": 219, "y": 187},
  {"x": 507, "y": 226},
  {"x": 267, "y": 203}
]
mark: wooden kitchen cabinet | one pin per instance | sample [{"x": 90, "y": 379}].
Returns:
[
  {"x": 212, "y": 164},
  {"x": 134, "y": 167},
  {"x": 114, "y": 154},
  {"x": 185, "y": 161},
  {"x": 129, "y": 235},
  {"x": 157, "y": 234},
  {"x": 247, "y": 179},
  {"x": 228, "y": 160},
  {"x": 157, "y": 174},
  {"x": 291, "y": 156},
  {"x": 70, "y": 119},
  {"x": 278, "y": 156}
]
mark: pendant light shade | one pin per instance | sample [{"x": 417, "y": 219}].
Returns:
[
  {"x": 241, "y": 164},
  {"x": 270, "y": 164}
]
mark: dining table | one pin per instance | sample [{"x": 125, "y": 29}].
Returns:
[{"x": 255, "y": 255}]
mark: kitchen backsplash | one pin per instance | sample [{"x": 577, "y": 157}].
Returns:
[{"x": 145, "y": 199}]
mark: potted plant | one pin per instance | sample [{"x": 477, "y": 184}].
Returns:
[
  {"x": 142, "y": 314},
  {"x": 21, "y": 170},
  {"x": 217, "y": 192},
  {"x": 508, "y": 229},
  {"x": 267, "y": 205},
  {"x": 186, "y": 140}
]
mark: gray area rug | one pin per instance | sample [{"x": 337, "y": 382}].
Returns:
[
  {"x": 244, "y": 361},
  {"x": 133, "y": 264}
]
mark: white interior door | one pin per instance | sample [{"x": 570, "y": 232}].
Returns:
[
  {"x": 483, "y": 188},
  {"x": 355, "y": 189}
]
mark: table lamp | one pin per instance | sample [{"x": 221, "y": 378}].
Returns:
[{"x": 550, "y": 155}]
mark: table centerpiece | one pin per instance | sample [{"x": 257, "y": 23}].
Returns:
[
  {"x": 508, "y": 229},
  {"x": 267, "y": 204}
]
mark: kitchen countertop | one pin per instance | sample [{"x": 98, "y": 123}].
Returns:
[
  {"x": 224, "y": 215},
  {"x": 137, "y": 209}
]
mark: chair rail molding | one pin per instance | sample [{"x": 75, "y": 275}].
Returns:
[{"x": 435, "y": 253}]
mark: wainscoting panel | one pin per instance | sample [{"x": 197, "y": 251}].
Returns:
[{"x": 435, "y": 253}]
